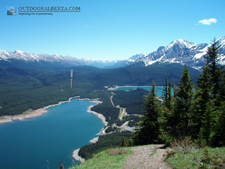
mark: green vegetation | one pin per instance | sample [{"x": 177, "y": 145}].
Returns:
[
  {"x": 198, "y": 158},
  {"x": 189, "y": 120},
  {"x": 104, "y": 142},
  {"x": 28, "y": 86},
  {"x": 131, "y": 100},
  {"x": 197, "y": 112},
  {"x": 148, "y": 128},
  {"x": 153, "y": 152},
  {"x": 21, "y": 90},
  {"x": 27, "y": 111},
  {"x": 111, "y": 158},
  {"x": 111, "y": 113},
  {"x": 141, "y": 76}
]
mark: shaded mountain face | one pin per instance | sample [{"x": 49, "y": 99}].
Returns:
[
  {"x": 141, "y": 76},
  {"x": 179, "y": 51}
]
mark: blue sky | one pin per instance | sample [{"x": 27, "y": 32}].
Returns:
[{"x": 115, "y": 29}]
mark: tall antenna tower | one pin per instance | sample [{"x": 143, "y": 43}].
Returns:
[{"x": 71, "y": 78}]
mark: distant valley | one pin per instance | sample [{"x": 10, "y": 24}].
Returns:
[{"x": 31, "y": 81}]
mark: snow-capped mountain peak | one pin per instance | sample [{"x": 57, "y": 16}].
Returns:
[
  {"x": 178, "y": 51},
  {"x": 59, "y": 59},
  {"x": 221, "y": 41},
  {"x": 137, "y": 56},
  {"x": 18, "y": 52},
  {"x": 180, "y": 43}
]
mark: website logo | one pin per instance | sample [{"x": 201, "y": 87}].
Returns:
[
  {"x": 11, "y": 10},
  {"x": 46, "y": 10}
]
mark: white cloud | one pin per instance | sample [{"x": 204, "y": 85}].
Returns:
[{"x": 207, "y": 21}]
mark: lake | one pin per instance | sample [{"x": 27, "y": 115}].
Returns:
[
  {"x": 41, "y": 142},
  {"x": 159, "y": 89}
]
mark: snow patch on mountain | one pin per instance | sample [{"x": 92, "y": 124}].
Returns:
[
  {"x": 178, "y": 51},
  {"x": 31, "y": 57}
]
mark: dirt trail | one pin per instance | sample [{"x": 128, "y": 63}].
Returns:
[{"x": 142, "y": 158}]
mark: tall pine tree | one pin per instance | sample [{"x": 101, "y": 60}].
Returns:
[
  {"x": 184, "y": 102},
  {"x": 166, "y": 118},
  {"x": 203, "y": 105},
  {"x": 147, "y": 131},
  {"x": 215, "y": 69},
  {"x": 167, "y": 95}
]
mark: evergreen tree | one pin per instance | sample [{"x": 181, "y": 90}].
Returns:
[
  {"x": 165, "y": 91},
  {"x": 165, "y": 117},
  {"x": 184, "y": 102},
  {"x": 204, "y": 105},
  {"x": 172, "y": 115},
  {"x": 219, "y": 128},
  {"x": 166, "y": 95},
  {"x": 169, "y": 96},
  {"x": 221, "y": 96},
  {"x": 215, "y": 69},
  {"x": 210, "y": 97},
  {"x": 147, "y": 131}
]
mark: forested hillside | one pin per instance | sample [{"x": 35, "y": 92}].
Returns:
[
  {"x": 27, "y": 88},
  {"x": 144, "y": 75}
]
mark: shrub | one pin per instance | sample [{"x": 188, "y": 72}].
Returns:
[
  {"x": 183, "y": 145},
  {"x": 117, "y": 151},
  {"x": 216, "y": 161}
]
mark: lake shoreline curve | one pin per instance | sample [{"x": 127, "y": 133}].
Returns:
[
  {"x": 75, "y": 154},
  {"x": 40, "y": 111},
  {"x": 32, "y": 113}
]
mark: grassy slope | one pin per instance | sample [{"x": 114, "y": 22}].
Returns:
[
  {"x": 178, "y": 161},
  {"x": 193, "y": 158},
  {"x": 111, "y": 158}
]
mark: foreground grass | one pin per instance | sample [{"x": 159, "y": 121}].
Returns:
[
  {"x": 197, "y": 158},
  {"x": 110, "y": 159}
]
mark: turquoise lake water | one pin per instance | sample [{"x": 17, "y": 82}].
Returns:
[
  {"x": 159, "y": 89},
  {"x": 41, "y": 142}
]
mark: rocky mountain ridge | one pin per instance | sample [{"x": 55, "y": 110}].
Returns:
[
  {"x": 27, "y": 57},
  {"x": 178, "y": 51}
]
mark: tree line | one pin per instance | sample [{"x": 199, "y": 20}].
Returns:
[{"x": 197, "y": 111}]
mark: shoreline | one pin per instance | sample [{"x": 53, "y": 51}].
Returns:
[
  {"x": 77, "y": 157},
  {"x": 97, "y": 114},
  {"x": 40, "y": 111},
  {"x": 76, "y": 152},
  {"x": 32, "y": 113},
  {"x": 94, "y": 140},
  {"x": 114, "y": 88}
]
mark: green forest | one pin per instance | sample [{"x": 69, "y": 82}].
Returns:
[
  {"x": 194, "y": 111},
  {"x": 22, "y": 89}
]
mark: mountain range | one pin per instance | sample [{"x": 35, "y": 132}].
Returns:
[
  {"x": 20, "y": 59},
  {"x": 178, "y": 51}
]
